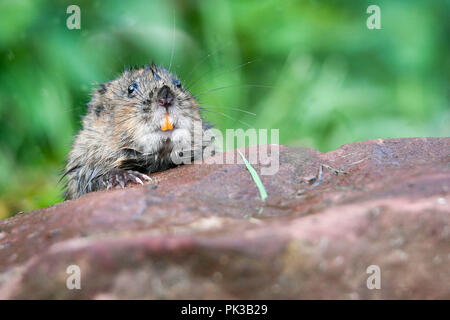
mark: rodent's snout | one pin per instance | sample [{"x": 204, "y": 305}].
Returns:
[{"x": 165, "y": 97}]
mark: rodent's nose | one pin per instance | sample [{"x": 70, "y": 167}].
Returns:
[{"x": 165, "y": 97}]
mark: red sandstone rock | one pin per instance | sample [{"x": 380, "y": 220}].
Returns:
[{"x": 199, "y": 234}]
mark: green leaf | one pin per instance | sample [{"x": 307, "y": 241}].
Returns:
[{"x": 256, "y": 179}]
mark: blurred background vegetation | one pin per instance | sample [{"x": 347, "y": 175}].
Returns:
[{"x": 332, "y": 81}]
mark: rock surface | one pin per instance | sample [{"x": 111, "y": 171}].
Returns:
[{"x": 203, "y": 232}]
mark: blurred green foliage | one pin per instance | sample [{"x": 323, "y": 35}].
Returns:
[{"x": 332, "y": 80}]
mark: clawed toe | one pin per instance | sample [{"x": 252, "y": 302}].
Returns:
[
  {"x": 124, "y": 178},
  {"x": 144, "y": 176},
  {"x": 138, "y": 180}
]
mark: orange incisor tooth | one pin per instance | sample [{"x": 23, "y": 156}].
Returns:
[{"x": 167, "y": 123}]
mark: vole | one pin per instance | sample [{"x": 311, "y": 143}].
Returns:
[{"x": 142, "y": 122}]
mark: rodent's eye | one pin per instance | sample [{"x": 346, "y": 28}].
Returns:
[
  {"x": 177, "y": 83},
  {"x": 132, "y": 88}
]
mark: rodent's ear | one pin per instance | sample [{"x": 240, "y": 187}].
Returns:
[
  {"x": 103, "y": 87},
  {"x": 96, "y": 104},
  {"x": 98, "y": 109}
]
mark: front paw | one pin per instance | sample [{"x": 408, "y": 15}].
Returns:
[{"x": 122, "y": 178}]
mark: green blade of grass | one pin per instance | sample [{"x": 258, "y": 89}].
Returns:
[{"x": 255, "y": 176}]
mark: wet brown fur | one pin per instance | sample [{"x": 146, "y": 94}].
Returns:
[{"x": 122, "y": 132}]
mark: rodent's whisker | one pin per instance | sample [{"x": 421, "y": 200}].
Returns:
[
  {"x": 209, "y": 55},
  {"x": 188, "y": 115},
  {"x": 229, "y": 117},
  {"x": 229, "y": 108},
  {"x": 233, "y": 86},
  {"x": 173, "y": 42},
  {"x": 193, "y": 85}
]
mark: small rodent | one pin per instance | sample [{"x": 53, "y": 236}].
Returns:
[{"x": 136, "y": 124}]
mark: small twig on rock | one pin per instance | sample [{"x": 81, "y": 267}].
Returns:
[
  {"x": 317, "y": 180},
  {"x": 357, "y": 162}
]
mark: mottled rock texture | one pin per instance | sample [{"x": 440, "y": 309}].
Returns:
[{"x": 202, "y": 232}]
